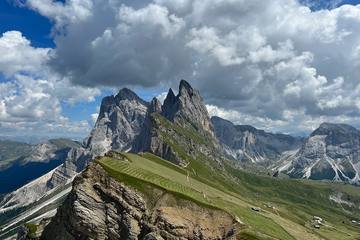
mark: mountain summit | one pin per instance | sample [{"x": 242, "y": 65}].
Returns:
[
  {"x": 120, "y": 120},
  {"x": 187, "y": 107},
  {"x": 175, "y": 123},
  {"x": 248, "y": 144},
  {"x": 332, "y": 152}
]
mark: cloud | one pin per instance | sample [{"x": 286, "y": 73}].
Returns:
[
  {"x": 61, "y": 13},
  {"x": 267, "y": 60},
  {"x": 18, "y": 55},
  {"x": 161, "y": 97},
  {"x": 31, "y": 95},
  {"x": 94, "y": 117}
]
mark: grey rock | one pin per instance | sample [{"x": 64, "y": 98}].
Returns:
[
  {"x": 246, "y": 143},
  {"x": 155, "y": 106},
  {"x": 331, "y": 152},
  {"x": 119, "y": 122},
  {"x": 100, "y": 207},
  {"x": 188, "y": 107},
  {"x": 187, "y": 111}
]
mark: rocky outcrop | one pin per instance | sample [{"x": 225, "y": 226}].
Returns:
[
  {"x": 120, "y": 120},
  {"x": 150, "y": 139},
  {"x": 182, "y": 122},
  {"x": 332, "y": 152},
  {"x": 99, "y": 207},
  {"x": 187, "y": 108},
  {"x": 248, "y": 144}
]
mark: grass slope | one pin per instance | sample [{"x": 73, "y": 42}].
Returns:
[{"x": 289, "y": 219}]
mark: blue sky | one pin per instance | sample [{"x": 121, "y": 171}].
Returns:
[
  {"x": 34, "y": 26},
  {"x": 227, "y": 99},
  {"x": 320, "y": 4}
]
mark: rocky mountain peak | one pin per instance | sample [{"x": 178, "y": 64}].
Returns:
[
  {"x": 185, "y": 88},
  {"x": 187, "y": 107},
  {"x": 246, "y": 143},
  {"x": 106, "y": 104},
  {"x": 331, "y": 152},
  {"x": 127, "y": 94},
  {"x": 331, "y": 128},
  {"x": 120, "y": 120},
  {"x": 169, "y": 103}
]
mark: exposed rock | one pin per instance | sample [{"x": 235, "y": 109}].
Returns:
[
  {"x": 165, "y": 129},
  {"x": 155, "y": 106},
  {"x": 100, "y": 207},
  {"x": 246, "y": 143},
  {"x": 188, "y": 108},
  {"x": 332, "y": 152},
  {"x": 151, "y": 140},
  {"x": 119, "y": 122},
  {"x": 77, "y": 159},
  {"x": 32, "y": 231}
]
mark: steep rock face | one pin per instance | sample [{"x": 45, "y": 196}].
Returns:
[
  {"x": 187, "y": 107},
  {"x": 246, "y": 143},
  {"x": 119, "y": 122},
  {"x": 100, "y": 207},
  {"x": 181, "y": 122},
  {"x": 332, "y": 152}
]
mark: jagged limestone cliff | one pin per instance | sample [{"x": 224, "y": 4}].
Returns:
[
  {"x": 181, "y": 123},
  {"x": 331, "y": 152}
]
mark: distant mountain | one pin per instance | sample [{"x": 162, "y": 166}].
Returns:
[
  {"x": 331, "y": 152},
  {"x": 10, "y": 151},
  {"x": 248, "y": 144},
  {"x": 21, "y": 162}
]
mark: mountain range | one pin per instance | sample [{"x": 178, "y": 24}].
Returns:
[
  {"x": 22, "y": 162},
  {"x": 331, "y": 152},
  {"x": 247, "y": 144},
  {"x": 180, "y": 131}
]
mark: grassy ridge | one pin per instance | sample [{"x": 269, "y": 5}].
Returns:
[{"x": 296, "y": 201}]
